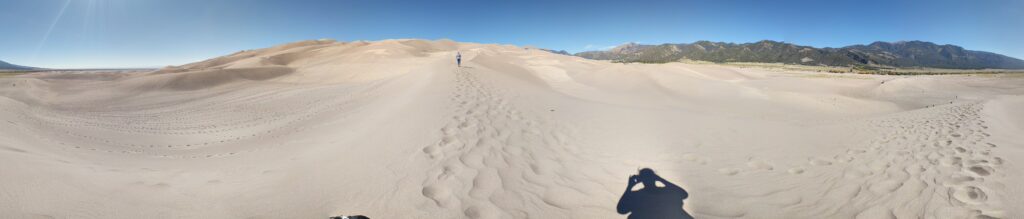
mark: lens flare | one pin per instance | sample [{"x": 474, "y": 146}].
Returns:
[{"x": 50, "y": 30}]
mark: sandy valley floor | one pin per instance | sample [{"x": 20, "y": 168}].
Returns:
[{"x": 393, "y": 129}]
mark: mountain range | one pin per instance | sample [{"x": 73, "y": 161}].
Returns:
[
  {"x": 9, "y": 66},
  {"x": 903, "y": 54}
]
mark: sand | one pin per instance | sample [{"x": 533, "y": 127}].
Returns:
[{"x": 392, "y": 129}]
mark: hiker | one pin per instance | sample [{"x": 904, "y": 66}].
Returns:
[
  {"x": 653, "y": 201},
  {"x": 458, "y": 59}
]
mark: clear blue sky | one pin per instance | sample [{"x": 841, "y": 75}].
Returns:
[{"x": 152, "y": 33}]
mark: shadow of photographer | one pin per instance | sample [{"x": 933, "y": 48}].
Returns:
[{"x": 652, "y": 201}]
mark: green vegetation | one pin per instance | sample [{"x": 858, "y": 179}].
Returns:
[
  {"x": 839, "y": 70},
  {"x": 864, "y": 58},
  {"x": 8, "y": 74}
]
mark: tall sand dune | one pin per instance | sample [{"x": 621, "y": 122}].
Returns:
[{"x": 393, "y": 129}]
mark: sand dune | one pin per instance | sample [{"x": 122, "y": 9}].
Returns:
[{"x": 392, "y": 129}]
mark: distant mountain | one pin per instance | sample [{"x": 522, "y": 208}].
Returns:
[
  {"x": 897, "y": 54},
  {"x": 9, "y": 66},
  {"x": 563, "y": 52}
]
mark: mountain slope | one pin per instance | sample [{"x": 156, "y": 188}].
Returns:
[
  {"x": 897, "y": 54},
  {"x": 9, "y": 66}
]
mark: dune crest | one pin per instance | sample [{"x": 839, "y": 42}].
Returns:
[{"x": 393, "y": 129}]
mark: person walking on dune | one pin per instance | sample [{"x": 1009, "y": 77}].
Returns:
[{"x": 458, "y": 59}]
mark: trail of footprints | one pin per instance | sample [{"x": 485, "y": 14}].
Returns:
[
  {"x": 946, "y": 176},
  {"x": 930, "y": 163},
  {"x": 939, "y": 153},
  {"x": 484, "y": 145}
]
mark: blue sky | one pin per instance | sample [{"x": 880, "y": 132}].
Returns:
[{"x": 153, "y": 33}]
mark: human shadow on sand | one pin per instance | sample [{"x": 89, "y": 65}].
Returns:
[{"x": 653, "y": 202}]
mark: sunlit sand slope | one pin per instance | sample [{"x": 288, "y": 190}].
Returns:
[{"x": 393, "y": 129}]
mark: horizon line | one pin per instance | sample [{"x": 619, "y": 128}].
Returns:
[{"x": 495, "y": 43}]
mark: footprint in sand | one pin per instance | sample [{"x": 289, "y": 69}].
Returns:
[
  {"x": 760, "y": 164},
  {"x": 439, "y": 194},
  {"x": 952, "y": 161},
  {"x": 796, "y": 170},
  {"x": 969, "y": 195},
  {"x": 997, "y": 161},
  {"x": 448, "y": 141},
  {"x": 481, "y": 211},
  {"x": 432, "y": 151},
  {"x": 981, "y": 170}
]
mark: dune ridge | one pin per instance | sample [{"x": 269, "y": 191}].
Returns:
[{"x": 392, "y": 129}]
